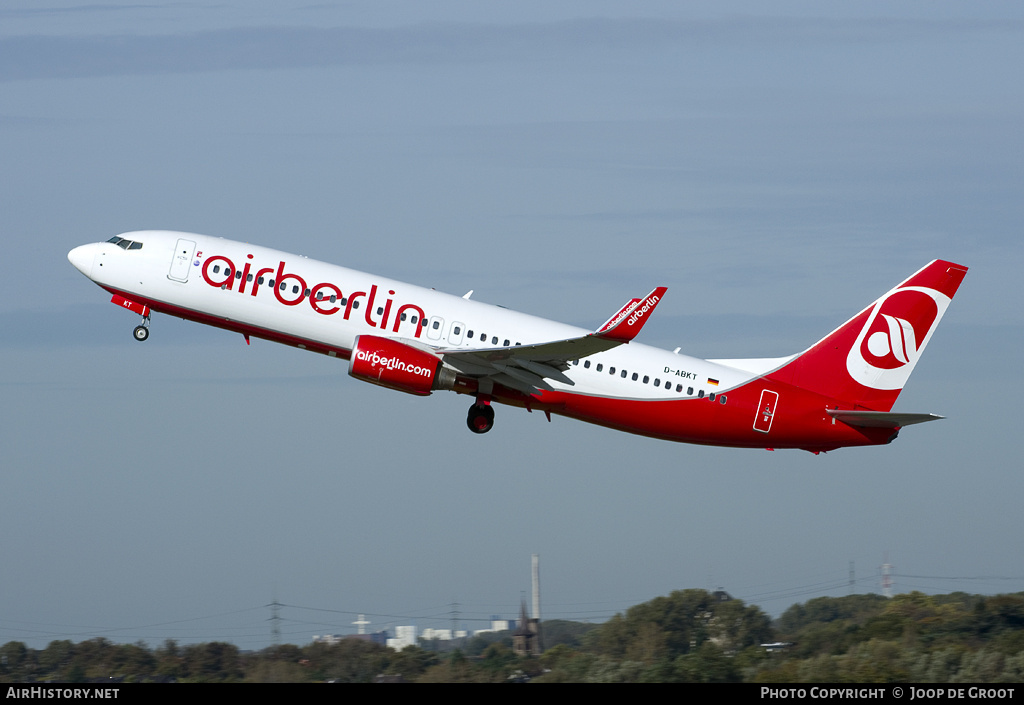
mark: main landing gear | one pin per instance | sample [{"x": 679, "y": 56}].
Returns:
[
  {"x": 142, "y": 332},
  {"x": 481, "y": 417}
]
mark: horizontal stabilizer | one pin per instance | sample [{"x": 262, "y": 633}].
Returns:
[{"x": 880, "y": 419}]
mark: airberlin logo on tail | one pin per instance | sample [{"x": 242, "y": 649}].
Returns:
[
  {"x": 893, "y": 347},
  {"x": 894, "y": 336}
]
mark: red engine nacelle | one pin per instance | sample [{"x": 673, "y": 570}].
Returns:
[{"x": 396, "y": 365}]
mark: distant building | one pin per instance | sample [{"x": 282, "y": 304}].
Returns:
[
  {"x": 404, "y": 636},
  {"x": 443, "y": 634},
  {"x": 439, "y": 634},
  {"x": 498, "y": 625}
]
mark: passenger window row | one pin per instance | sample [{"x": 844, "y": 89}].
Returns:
[
  {"x": 470, "y": 335},
  {"x": 624, "y": 374}
]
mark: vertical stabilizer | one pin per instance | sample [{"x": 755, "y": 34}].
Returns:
[{"x": 866, "y": 362}]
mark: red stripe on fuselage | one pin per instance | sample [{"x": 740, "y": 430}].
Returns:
[{"x": 234, "y": 326}]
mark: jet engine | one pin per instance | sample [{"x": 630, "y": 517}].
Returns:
[{"x": 395, "y": 365}]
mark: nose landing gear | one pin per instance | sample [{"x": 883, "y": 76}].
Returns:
[{"x": 142, "y": 332}]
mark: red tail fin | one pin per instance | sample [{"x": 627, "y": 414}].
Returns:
[{"x": 867, "y": 360}]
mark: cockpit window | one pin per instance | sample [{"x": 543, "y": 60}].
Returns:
[{"x": 125, "y": 244}]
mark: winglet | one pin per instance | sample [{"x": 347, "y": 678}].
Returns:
[{"x": 626, "y": 324}]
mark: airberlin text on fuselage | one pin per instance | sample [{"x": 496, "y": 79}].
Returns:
[{"x": 318, "y": 295}]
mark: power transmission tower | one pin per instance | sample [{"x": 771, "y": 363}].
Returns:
[
  {"x": 455, "y": 619},
  {"x": 275, "y": 622}
]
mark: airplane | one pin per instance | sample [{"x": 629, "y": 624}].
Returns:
[{"x": 837, "y": 393}]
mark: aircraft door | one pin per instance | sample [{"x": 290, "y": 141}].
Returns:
[
  {"x": 766, "y": 411},
  {"x": 435, "y": 326},
  {"x": 456, "y": 333},
  {"x": 181, "y": 262}
]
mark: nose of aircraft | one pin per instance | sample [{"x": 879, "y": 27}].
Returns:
[{"x": 82, "y": 257}]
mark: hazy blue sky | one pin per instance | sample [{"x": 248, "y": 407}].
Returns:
[{"x": 777, "y": 166}]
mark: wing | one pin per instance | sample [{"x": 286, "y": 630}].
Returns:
[{"x": 526, "y": 368}]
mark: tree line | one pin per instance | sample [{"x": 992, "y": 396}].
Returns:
[{"x": 687, "y": 636}]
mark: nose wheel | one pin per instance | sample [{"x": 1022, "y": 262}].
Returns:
[
  {"x": 481, "y": 418},
  {"x": 142, "y": 332}
]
